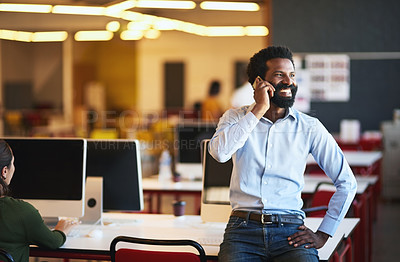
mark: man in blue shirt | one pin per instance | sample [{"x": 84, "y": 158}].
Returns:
[{"x": 269, "y": 142}]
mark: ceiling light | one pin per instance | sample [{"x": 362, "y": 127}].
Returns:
[
  {"x": 55, "y": 36},
  {"x": 25, "y": 8},
  {"x": 113, "y": 26},
  {"x": 132, "y": 16},
  {"x": 138, "y": 26},
  {"x": 23, "y": 36},
  {"x": 131, "y": 35},
  {"x": 256, "y": 30},
  {"x": 166, "y": 4},
  {"x": 78, "y": 10},
  {"x": 225, "y": 31},
  {"x": 152, "y": 34},
  {"x": 7, "y": 34},
  {"x": 231, "y": 6},
  {"x": 117, "y": 9},
  {"x": 93, "y": 36},
  {"x": 165, "y": 24}
]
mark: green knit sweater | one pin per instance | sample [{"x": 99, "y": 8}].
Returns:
[{"x": 21, "y": 225}]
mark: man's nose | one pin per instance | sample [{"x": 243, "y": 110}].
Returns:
[{"x": 287, "y": 80}]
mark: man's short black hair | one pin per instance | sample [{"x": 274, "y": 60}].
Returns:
[{"x": 258, "y": 62}]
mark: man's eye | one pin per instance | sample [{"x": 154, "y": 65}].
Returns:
[
  {"x": 278, "y": 75},
  {"x": 292, "y": 75}
]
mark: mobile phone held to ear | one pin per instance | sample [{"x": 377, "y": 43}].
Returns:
[{"x": 255, "y": 82}]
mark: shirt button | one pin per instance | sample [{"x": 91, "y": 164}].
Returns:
[
  {"x": 264, "y": 200},
  {"x": 265, "y": 182},
  {"x": 269, "y": 166}
]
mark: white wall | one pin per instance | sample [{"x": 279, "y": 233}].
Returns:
[{"x": 205, "y": 59}]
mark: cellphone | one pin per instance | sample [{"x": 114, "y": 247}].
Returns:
[{"x": 254, "y": 84}]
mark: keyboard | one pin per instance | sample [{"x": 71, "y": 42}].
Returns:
[{"x": 210, "y": 241}]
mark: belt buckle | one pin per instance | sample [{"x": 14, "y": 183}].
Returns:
[{"x": 262, "y": 219}]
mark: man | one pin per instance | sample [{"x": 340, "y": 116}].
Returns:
[{"x": 269, "y": 142}]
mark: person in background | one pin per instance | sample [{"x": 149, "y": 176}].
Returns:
[
  {"x": 21, "y": 224},
  {"x": 242, "y": 96},
  {"x": 269, "y": 143},
  {"x": 211, "y": 109}
]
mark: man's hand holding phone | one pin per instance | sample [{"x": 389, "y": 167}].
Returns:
[{"x": 263, "y": 90}]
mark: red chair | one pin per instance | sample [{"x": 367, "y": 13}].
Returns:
[
  {"x": 320, "y": 200},
  {"x": 140, "y": 255},
  {"x": 5, "y": 256}
]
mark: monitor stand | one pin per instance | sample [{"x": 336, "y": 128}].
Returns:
[{"x": 93, "y": 201}]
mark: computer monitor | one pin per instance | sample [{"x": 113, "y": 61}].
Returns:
[
  {"x": 118, "y": 162},
  {"x": 50, "y": 174},
  {"x": 188, "y": 137},
  {"x": 215, "y": 204}
]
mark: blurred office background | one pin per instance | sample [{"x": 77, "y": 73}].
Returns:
[{"x": 141, "y": 88}]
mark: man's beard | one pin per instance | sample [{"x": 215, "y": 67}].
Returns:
[{"x": 280, "y": 101}]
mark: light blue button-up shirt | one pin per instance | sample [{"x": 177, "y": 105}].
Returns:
[{"x": 269, "y": 161}]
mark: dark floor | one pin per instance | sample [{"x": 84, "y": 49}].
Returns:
[{"x": 386, "y": 233}]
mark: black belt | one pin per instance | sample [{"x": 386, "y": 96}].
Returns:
[{"x": 268, "y": 218}]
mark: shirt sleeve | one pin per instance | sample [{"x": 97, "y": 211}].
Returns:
[
  {"x": 38, "y": 233},
  {"x": 331, "y": 159},
  {"x": 232, "y": 132}
]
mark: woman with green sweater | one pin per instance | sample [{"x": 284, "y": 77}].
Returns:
[{"x": 21, "y": 224}]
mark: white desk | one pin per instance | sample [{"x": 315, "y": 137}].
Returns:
[
  {"x": 356, "y": 158},
  {"x": 165, "y": 227},
  {"x": 155, "y": 190},
  {"x": 311, "y": 182}
]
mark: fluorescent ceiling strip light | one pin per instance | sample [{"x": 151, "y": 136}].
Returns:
[
  {"x": 229, "y": 6},
  {"x": 23, "y": 36},
  {"x": 138, "y": 26},
  {"x": 225, "y": 31},
  {"x": 55, "y": 36},
  {"x": 131, "y": 35},
  {"x": 256, "y": 31},
  {"x": 117, "y": 9},
  {"x": 165, "y": 24},
  {"x": 132, "y": 16},
  {"x": 166, "y": 4},
  {"x": 93, "y": 35},
  {"x": 7, "y": 34},
  {"x": 79, "y": 10},
  {"x": 25, "y": 8}
]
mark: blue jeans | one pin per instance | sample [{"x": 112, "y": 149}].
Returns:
[{"x": 251, "y": 241}]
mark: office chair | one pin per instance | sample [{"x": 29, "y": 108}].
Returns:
[
  {"x": 5, "y": 256},
  {"x": 130, "y": 254},
  {"x": 320, "y": 200}
]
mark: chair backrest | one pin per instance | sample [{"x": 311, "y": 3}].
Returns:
[
  {"x": 5, "y": 256},
  {"x": 134, "y": 254},
  {"x": 321, "y": 198}
]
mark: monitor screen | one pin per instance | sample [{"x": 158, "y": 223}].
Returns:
[
  {"x": 118, "y": 162},
  {"x": 188, "y": 137},
  {"x": 215, "y": 204},
  {"x": 216, "y": 179},
  {"x": 50, "y": 174}
]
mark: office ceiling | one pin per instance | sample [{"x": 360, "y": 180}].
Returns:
[{"x": 51, "y": 22}]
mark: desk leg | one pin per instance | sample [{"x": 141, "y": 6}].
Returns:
[
  {"x": 361, "y": 234},
  {"x": 347, "y": 252}
]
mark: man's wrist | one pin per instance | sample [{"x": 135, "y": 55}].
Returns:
[
  {"x": 259, "y": 110},
  {"x": 322, "y": 235}
]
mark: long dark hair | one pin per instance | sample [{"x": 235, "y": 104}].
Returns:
[{"x": 6, "y": 156}]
